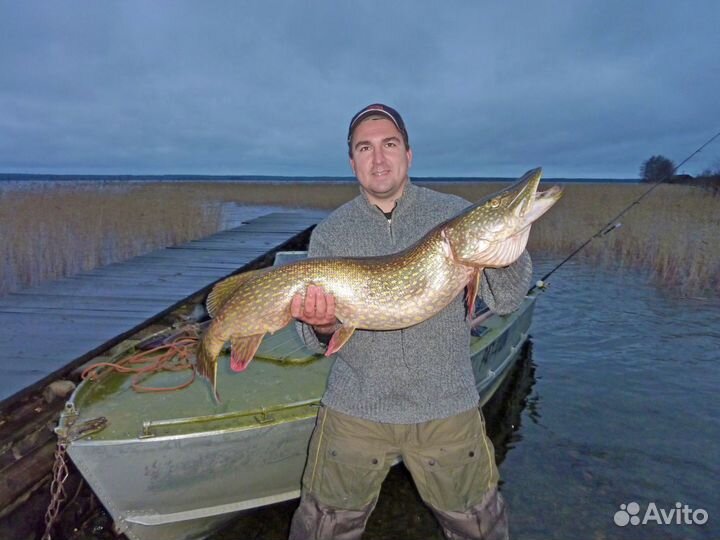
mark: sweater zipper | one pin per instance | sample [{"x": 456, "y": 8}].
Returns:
[
  {"x": 402, "y": 330},
  {"x": 402, "y": 334}
]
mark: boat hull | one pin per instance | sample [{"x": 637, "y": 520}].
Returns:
[
  {"x": 174, "y": 483},
  {"x": 170, "y": 488}
]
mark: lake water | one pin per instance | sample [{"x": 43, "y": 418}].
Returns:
[{"x": 616, "y": 404}]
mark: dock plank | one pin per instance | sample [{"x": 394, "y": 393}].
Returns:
[{"x": 53, "y": 327}]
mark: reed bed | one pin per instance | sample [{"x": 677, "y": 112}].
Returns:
[
  {"x": 52, "y": 232},
  {"x": 671, "y": 235}
]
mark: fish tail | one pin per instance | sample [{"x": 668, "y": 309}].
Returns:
[{"x": 206, "y": 364}]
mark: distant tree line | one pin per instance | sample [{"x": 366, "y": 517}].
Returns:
[{"x": 661, "y": 169}]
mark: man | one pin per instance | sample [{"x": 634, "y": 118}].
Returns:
[{"x": 408, "y": 393}]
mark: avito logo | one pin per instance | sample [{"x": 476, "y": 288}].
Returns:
[{"x": 681, "y": 514}]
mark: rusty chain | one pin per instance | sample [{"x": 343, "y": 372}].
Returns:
[{"x": 60, "y": 474}]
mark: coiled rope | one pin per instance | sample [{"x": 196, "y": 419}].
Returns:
[{"x": 173, "y": 355}]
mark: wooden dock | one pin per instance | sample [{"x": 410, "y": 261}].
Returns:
[{"x": 58, "y": 325}]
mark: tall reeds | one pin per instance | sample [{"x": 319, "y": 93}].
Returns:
[
  {"x": 672, "y": 235},
  {"x": 52, "y": 231},
  {"x": 55, "y": 231}
]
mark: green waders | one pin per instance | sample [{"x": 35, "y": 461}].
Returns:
[{"x": 451, "y": 460}]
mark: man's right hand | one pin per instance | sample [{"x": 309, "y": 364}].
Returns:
[{"x": 317, "y": 309}]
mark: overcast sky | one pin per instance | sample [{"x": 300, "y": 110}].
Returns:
[{"x": 581, "y": 88}]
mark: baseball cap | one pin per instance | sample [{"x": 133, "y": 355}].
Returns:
[{"x": 382, "y": 110}]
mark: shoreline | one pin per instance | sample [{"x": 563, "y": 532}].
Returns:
[{"x": 161, "y": 178}]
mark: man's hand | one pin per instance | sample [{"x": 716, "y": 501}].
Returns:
[{"x": 316, "y": 309}]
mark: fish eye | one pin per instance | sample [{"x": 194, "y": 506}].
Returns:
[{"x": 494, "y": 203}]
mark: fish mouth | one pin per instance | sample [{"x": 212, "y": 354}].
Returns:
[
  {"x": 522, "y": 193},
  {"x": 542, "y": 202},
  {"x": 527, "y": 202}
]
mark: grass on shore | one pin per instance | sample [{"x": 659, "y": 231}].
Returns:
[
  {"x": 55, "y": 231},
  {"x": 52, "y": 232},
  {"x": 671, "y": 235}
]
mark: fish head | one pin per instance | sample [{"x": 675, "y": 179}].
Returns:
[{"x": 494, "y": 231}]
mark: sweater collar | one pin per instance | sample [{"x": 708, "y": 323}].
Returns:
[{"x": 405, "y": 200}]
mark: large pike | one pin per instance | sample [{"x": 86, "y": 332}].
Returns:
[{"x": 377, "y": 293}]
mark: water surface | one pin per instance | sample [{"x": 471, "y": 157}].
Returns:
[{"x": 625, "y": 410}]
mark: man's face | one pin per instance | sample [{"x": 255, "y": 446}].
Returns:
[{"x": 380, "y": 161}]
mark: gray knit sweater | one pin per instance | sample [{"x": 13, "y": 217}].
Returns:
[{"x": 418, "y": 373}]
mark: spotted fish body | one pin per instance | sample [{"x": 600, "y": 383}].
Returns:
[{"x": 377, "y": 293}]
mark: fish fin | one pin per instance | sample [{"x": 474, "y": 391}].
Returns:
[
  {"x": 206, "y": 366},
  {"x": 242, "y": 350},
  {"x": 223, "y": 290},
  {"x": 471, "y": 292},
  {"x": 339, "y": 338},
  {"x": 446, "y": 246}
]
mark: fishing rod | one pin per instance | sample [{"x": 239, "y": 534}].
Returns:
[{"x": 612, "y": 224}]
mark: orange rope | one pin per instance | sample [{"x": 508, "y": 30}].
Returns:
[{"x": 175, "y": 356}]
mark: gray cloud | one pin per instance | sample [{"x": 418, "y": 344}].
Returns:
[{"x": 582, "y": 88}]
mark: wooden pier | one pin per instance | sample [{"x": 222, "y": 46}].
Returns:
[
  {"x": 49, "y": 331},
  {"x": 56, "y": 326}
]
